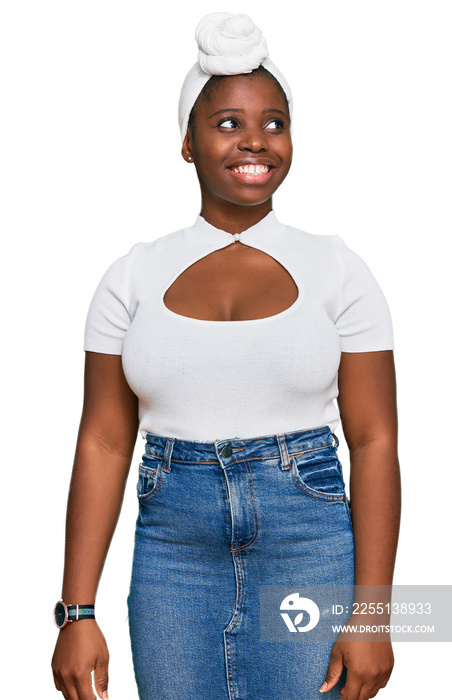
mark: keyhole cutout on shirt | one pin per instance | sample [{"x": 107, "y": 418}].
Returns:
[{"x": 235, "y": 283}]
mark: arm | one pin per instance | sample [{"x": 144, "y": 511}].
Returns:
[
  {"x": 105, "y": 444},
  {"x": 367, "y": 404}
]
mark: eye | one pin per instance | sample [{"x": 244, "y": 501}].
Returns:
[
  {"x": 228, "y": 123},
  {"x": 275, "y": 124}
]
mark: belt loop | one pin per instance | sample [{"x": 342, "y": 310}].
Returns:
[
  {"x": 167, "y": 454},
  {"x": 283, "y": 451}
]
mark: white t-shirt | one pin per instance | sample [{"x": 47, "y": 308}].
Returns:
[{"x": 208, "y": 380}]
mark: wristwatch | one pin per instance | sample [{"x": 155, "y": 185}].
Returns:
[{"x": 71, "y": 613}]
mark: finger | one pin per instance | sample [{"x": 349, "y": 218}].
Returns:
[
  {"x": 69, "y": 691},
  {"x": 101, "y": 677},
  {"x": 353, "y": 688},
  {"x": 370, "y": 690},
  {"x": 366, "y": 693},
  {"x": 333, "y": 672},
  {"x": 57, "y": 682},
  {"x": 370, "y": 687},
  {"x": 84, "y": 690},
  {"x": 66, "y": 686}
]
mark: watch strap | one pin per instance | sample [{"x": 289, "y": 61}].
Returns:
[{"x": 80, "y": 612}]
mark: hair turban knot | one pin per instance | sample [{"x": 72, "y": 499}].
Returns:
[{"x": 227, "y": 45}]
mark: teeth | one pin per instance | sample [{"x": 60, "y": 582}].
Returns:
[{"x": 252, "y": 169}]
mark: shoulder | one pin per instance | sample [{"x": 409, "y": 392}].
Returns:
[
  {"x": 162, "y": 242},
  {"x": 323, "y": 251},
  {"x": 316, "y": 241},
  {"x": 143, "y": 253},
  {"x": 331, "y": 247}
]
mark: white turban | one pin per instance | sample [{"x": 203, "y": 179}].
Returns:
[{"x": 228, "y": 45}]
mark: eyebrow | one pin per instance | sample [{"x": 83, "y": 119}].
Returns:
[
  {"x": 279, "y": 111},
  {"x": 220, "y": 111},
  {"x": 232, "y": 109}
]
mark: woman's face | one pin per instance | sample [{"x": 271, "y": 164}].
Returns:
[{"x": 241, "y": 146}]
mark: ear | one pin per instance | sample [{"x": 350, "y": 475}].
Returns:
[{"x": 186, "y": 151}]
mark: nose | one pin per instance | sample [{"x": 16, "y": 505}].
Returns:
[{"x": 253, "y": 139}]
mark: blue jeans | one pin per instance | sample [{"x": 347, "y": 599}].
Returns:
[{"x": 216, "y": 521}]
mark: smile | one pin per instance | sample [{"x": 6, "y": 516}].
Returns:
[
  {"x": 251, "y": 169},
  {"x": 252, "y": 174}
]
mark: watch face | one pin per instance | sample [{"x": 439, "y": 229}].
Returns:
[{"x": 60, "y": 614}]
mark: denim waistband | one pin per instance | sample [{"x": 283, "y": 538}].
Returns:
[{"x": 232, "y": 450}]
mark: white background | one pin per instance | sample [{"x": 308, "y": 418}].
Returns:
[{"x": 90, "y": 163}]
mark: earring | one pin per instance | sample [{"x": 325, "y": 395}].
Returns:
[{"x": 189, "y": 158}]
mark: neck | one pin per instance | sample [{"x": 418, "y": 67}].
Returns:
[{"x": 234, "y": 218}]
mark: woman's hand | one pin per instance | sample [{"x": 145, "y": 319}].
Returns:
[
  {"x": 80, "y": 649},
  {"x": 369, "y": 665}
]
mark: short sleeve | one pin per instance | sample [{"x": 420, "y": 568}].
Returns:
[
  {"x": 108, "y": 316},
  {"x": 363, "y": 318}
]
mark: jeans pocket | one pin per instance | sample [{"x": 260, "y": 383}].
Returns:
[
  {"x": 149, "y": 478},
  {"x": 318, "y": 473}
]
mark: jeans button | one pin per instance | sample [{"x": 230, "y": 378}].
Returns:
[{"x": 226, "y": 451}]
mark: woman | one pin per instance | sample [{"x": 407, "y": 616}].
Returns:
[{"x": 225, "y": 345}]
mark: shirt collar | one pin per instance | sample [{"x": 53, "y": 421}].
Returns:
[{"x": 268, "y": 227}]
